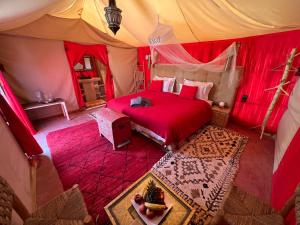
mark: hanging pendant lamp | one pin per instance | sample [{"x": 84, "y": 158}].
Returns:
[{"x": 113, "y": 16}]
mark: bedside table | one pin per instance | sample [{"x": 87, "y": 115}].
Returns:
[{"x": 220, "y": 116}]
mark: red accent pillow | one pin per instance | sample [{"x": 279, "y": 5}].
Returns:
[
  {"x": 188, "y": 91},
  {"x": 156, "y": 85}
]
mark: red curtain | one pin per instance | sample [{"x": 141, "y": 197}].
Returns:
[
  {"x": 26, "y": 141},
  {"x": 258, "y": 55},
  {"x": 75, "y": 52},
  {"x": 15, "y": 105},
  {"x": 287, "y": 177}
]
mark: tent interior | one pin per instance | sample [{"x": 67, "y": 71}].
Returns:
[{"x": 187, "y": 112}]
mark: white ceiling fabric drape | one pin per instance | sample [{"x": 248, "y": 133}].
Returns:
[
  {"x": 192, "y": 21},
  {"x": 166, "y": 48},
  {"x": 17, "y": 13}
]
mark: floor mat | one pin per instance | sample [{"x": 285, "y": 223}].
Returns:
[
  {"x": 82, "y": 157},
  {"x": 202, "y": 170}
]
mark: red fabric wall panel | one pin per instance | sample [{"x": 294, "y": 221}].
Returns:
[
  {"x": 258, "y": 55},
  {"x": 17, "y": 120},
  {"x": 26, "y": 141},
  {"x": 75, "y": 52},
  {"x": 15, "y": 105},
  {"x": 287, "y": 177}
]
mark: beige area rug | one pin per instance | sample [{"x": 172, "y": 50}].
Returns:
[{"x": 202, "y": 170}]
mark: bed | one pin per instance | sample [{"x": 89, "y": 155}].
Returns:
[{"x": 172, "y": 118}]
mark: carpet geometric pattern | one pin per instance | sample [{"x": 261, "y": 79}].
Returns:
[
  {"x": 82, "y": 157},
  {"x": 201, "y": 171}
]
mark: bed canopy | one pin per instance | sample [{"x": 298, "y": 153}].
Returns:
[
  {"x": 165, "y": 48},
  {"x": 192, "y": 21}
]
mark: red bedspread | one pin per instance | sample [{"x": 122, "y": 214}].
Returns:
[{"x": 172, "y": 117}]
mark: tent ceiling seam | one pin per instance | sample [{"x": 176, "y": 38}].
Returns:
[
  {"x": 107, "y": 44},
  {"x": 177, "y": 1},
  {"x": 64, "y": 9}
]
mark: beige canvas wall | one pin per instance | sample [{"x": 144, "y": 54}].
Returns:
[
  {"x": 34, "y": 64},
  {"x": 14, "y": 167},
  {"x": 122, "y": 63},
  {"x": 37, "y": 64},
  {"x": 288, "y": 126}
]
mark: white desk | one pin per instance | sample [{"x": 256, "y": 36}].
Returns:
[{"x": 57, "y": 101}]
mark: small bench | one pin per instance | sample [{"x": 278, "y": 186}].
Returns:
[
  {"x": 57, "y": 101},
  {"x": 114, "y": 126}
]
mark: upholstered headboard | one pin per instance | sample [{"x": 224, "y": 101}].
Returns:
[{"x": 220, "y": 90}]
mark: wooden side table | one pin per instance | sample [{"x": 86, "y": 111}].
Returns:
[
  {"x": 220, "y": 116},
  {"x": 57, "y": 101},
  {"x": 114, "y": 126}
]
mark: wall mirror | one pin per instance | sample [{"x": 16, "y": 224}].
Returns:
[{"x": 85, "y": 64}]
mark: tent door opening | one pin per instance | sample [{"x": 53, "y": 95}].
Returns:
[{"x": 91, "y": 77}]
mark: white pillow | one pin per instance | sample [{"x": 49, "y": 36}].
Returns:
[
  {"x": 203, "y": 88},
  {"x": 168, "y": 83}
]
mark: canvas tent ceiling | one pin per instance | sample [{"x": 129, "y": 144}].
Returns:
[{"x": 192, "y": 21}]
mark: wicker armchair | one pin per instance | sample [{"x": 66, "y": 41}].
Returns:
[
  {"x": 297, "y": 206},
  {"x": 66, "y": 209},
  {"x": 241, "y": 208}
]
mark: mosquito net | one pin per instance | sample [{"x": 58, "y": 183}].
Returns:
[{"x": 165, "y": 48}]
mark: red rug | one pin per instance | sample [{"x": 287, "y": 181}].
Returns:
[{"x": 82, "y": 157}]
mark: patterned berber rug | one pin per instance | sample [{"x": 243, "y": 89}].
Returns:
[{"x": 202, "y": 170}]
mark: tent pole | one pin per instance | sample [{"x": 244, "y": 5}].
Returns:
[{"x": 278, "y": 91}]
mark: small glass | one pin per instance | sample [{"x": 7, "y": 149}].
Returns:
[
  {"x": 48, "y": 97},
  {"x": 39, "y": 96}
]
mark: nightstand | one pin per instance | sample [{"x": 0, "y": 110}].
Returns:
[{"x": 220, "y": 116}]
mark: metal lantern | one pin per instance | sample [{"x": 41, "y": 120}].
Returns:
[{"x": 113, "y": 16}]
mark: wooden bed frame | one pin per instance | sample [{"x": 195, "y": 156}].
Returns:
[{"x": 221, "y": 91}]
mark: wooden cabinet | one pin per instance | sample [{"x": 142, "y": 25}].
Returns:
[
  {"x": 114, "y": 126},
  {"x": 92, "y": 89},
  {"x": 220, "y": 116}
]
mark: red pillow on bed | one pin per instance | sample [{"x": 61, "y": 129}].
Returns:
[
  {"x": 188, "y": 91},
  {"x": 156, "y": 85}
]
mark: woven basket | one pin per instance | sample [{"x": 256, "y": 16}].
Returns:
[
  {"x": 66, "y": 209},
  {"x": 297, "y": 205},
  {"x": 241, "y": 208},
  {"x": 6, "y": 202}
]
